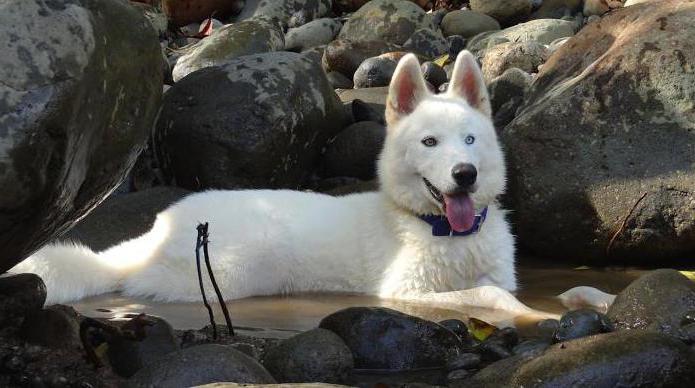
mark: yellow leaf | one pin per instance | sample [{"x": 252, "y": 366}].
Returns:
[
  {"x": 101, "y": 350},
  {"x": 480, "y": 329},
  {"x": 688, "y": 274},
  {"x": 442, "y": 60}
]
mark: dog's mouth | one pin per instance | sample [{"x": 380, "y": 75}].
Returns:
[{"x": 457, "y": 206}]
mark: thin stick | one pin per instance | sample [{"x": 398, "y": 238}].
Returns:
[
  {"x": 202, "y": 230},
  {"x": 622, "y": 226},
  {"x": 223, "y": 305}
]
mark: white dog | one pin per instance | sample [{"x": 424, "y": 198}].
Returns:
[{"x": 434, "y": 232}]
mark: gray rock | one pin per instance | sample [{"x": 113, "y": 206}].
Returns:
[
  {"x": 464, "y": 361},
  {"x": 317, "y": 355},
  {"x": 468, "y": 23},
  {"x": 637, "y": 169},
  {"x": 354, "y": 151},
  {"x": 73, "y": 118},
  {"x": 56, "y": 327},
  {"x": 362, "y": 111},
  {"x": 252, "y": 36},
  {"x": 375, "y": 98},
  {"x": 373, "y": 72},
  {"x": 392, "y": 21},
  {"x": 526, "y": 56},
  {"x": 555, "y": 9},
  {"x": 542, "y": 31},
  {"x": 154, "y": 15},
  {"x": 345, "y": 56},
  {"x": 512, "y": 83},
  {"x": 339, "y": 81},
  {"x": 382, "y": 338},
  {"x": 507, "y": 12},
  {"x": 280, "y": 112},
  {"x": 581, "y": 323},
  {"x": 426, "y": 43},
  {"x": 315, "y": 33},
  {"x": 657, "y": 301},
  {"x": 20, "y": 295},
  {"x": 535, "y": 345},
  {"x": 283, "y": 10},
  {"x": 433, "y": 74},
  {"x": 202, "y": 364}
]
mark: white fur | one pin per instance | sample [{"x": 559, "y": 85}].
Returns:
[{"x": 266, "y": 242}]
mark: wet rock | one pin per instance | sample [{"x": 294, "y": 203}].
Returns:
[
  {"x": 467, "y": 23},
  {"x": 345, "y": 56},
  {"x": 555, "y": 9},
  {"x": 382, "y": 338},
  {"x": 466, "y": 361},
  {"x": 20, "y": 295},
  {"x": 282, "y": 111},
  {"x": 231, "y": 41},
  {"x": 526, "y": 56},
  {"x": 73, "y": 118},
  {"x": 581, "y": 323},
  {"x": 658, "y": 301},
  {"x": 373, "y": 72},
  {"x": 315, "y": 33},
  {"x": 56, "y": 327},
  {"x": 599, "y": 7},
  {"x": 493, "y": 350},
  {"x": 427, "y": 43},
  {"x": 507, "y": 12},
  {"x": 532, "y": 346},
  {"x": 283, "y": 10},
  {"x": 392, "y": 21},
  {"x": 433, "y": 74},
  {"x": 457, "y": 327},
  {"x": 339, "y": 81},
  {"x": 542, "y": 31},
  {"x": 507, "y": 337},
  {"x": 183, "y": 12},
  {"x": 354, "y": 151},
  {"x": 604, "y": 174},
  {"x": 201, "y": 364},
  {"x": 317, "y": 355},
  {"x": 458, "y": 376},
  {"x": 627, "y": 358},
  {"x": 128, "y": 356}
]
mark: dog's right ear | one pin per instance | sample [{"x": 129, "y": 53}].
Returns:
[{"x": 406, "y": 90}]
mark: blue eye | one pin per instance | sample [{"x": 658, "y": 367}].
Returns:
[
  {"x": 429, "y": 141},
  {"x": 470, "y": 139}
]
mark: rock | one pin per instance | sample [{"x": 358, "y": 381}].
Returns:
[
  {"x": 605, "y": 174},
  {"x": 299, "y": 385},
  {"x": 467, "y": 23},
  {"x": 556, "y": 44},
  {"x": 382, "y": 338},
  {"x": 282, "y": 111},
  {"x": 493, "y": 351},
  {"x": 628, "y": 358},
  {"x": 159, "y": 20},
  {"x": 339, "y": 81},
  {"x": 20, "y": 295},
  {"x": 231, "y": 41},
  {"x": 373, "y": 72},
  {"x": 315, "y": 54},
  {"x": 375, "y": 98},
  {"x": 464, "y": 361},
  {"x": 361, "y": 111},
  {"x": 526, "y": 56},
  {"x": 507, "y": 337},
  {"x": 315, "y": 33},
  {"x": 457, "y": 327},
  {"x": 535, "y": 345},
  {"x": 299, "y": 18},
  {"x": 73, "y": 117},
  {"x": 581, "y": 323},
  {"x": 354, "y": 151},
  {"x": 122, "y": 217},
  {"x": 56, "y": 327},
  {"x": 199, "y": 365},
  {"x": 457, "y": 43},
  {"x": 657, "y": 301},
  {"x": 599, "y": 7},
  {"x": 555, "y": 9},
  {"x": 345, "y": 56},
  {"x": 392, "y": 21},
  {"x": 283, "y": 10},
  {"x": 347, "y": 6},
  {"x": 129, "y": 356},
  {"x": 458, "y": 376},
  {"x": 512, "y": 83},
  {"x": 317, "y": 355},
  {"x": 507, "y": 12},
  {"x": 433, "y": 74},
  {"x": 543, "y": 31},
  {"x": 635, "y": 2},
  {"x": 427, "y": 43},
  {"x": 182, "y": 12}
]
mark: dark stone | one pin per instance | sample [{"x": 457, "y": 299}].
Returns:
[
  {"x": 464, "y": 361},
  {"x": 493, "y": 350},
  {"x": 354, "y": 151},
  {"x": 427, "y": 43},
  {"x": 20, "y": 295},
  {"x": 434, "y": 74},
  {"x": 361, "y": 111},
  {"x": 202, "y": 364},
  {"x": 382, "y": 338},
  {"x": 317, "y": 355},
  {"x": 458, "y": 375},
  {"x": 56, "y": 326},
  {"x": 536, "y": 345},
  {"x": 339, "y": 81},
  {"x": 74, "y": 114},
  {"x": 128, "y": 356},
  {"x": 511, "y": 84},
  {"x": 581, "y": 323},
  {"x": 457, "y": 43},
  {"x": 375, "y": 98},
  {"x": 458, "y": 327},
  {"x": 258, "y": 122},
  {"x": 345, "y": 56},
  {"x": 657, "y": 301},
  {"x": 373, "y": 72}
]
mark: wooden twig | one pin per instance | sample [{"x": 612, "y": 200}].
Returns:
[
  {"x": 223, "y": 305},
  {"x": 202, "y": 229},
  {"x": 622, "y": 225}
]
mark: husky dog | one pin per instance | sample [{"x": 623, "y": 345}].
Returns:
[{"x": 434, "y": 232}]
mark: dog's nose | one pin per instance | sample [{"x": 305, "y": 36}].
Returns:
[{"x": 464, "y": 174}]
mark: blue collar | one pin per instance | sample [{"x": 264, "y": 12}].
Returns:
[{"x": 441, "y": 227}]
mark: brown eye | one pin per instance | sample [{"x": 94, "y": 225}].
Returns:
[{"x": 429, "y": 141}]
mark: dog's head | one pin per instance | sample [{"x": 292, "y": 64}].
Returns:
[{"x": 441, "y": 154}]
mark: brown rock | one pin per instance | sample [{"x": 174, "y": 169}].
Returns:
[{"x": 182, "y": 12}]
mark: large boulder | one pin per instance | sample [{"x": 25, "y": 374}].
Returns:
[
  {"x": 543, "y": 31},
  {"x": 283, "y": 10},
  {"x": 182, "y": 12},
  {"x": 601, "y": 158},
  {"x": 315, "y": 33},
  {"x": 392, "y": 21},
  {"x": 345, "y": 56},
  {"x": 80, "y": 87},
  {"x": 258, "y": 121},
  {"x": 252, "y": 36},
  {"x": 506, "y": 12},
  {"x": 468, "y": 23}
]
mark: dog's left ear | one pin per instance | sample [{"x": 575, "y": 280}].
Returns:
[
  {"x": 406, "y": 90},
  {"x": 467, "y": 83}
]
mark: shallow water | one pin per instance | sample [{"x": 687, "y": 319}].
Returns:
[{"x": 282, "y": 317}]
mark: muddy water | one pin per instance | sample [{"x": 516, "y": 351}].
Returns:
[{"x": 284, "y": 316}]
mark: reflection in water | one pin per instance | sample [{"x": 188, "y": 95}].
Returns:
[{"x": 283, "y": 316}]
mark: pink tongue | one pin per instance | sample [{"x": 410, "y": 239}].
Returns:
[{"x": 459, "y": 212}]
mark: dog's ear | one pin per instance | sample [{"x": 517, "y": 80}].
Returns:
[
  {"x": 467, "y": 83},
  {"x": 406, "y": 90}
]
